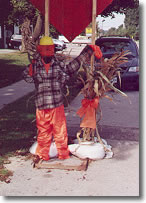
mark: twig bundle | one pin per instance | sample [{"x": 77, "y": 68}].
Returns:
[{"x": 97, "y": 83}]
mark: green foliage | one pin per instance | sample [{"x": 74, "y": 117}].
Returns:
[
  {"x": 4, "y": 174},
  {"x": 16, "y": 11},
  {"x": 20, "y": 10},
  {"x": 131, "y": 11},
  {"x": 120, "y": 6},
  {"x": 16, "y": 126},
  {"x": 131, "y": 25},
  {"x": 132, "y": 22},
  {"x": 120, "y": 31},
  {"x": 11, "y": 67}
]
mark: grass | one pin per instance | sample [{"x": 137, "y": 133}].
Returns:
[
  {"x": 16, "y": 127},
  {"x": 11, "y": 67},
  {"x": 4, "y": 172}
]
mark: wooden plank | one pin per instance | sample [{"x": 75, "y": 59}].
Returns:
[
  {"x": 46, "y": 17},
  {"x": 94, "y": 2},
  {"x": 82, "y": 167}
]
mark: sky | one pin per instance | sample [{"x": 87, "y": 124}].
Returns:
[{"x": 109, "y": 22}]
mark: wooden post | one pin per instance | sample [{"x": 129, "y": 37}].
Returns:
[
  {"x": 93, "y": 30},
  {"x": 46, "y": 17}
]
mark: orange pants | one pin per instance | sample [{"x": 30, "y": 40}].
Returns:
[{"x": 52, "y": 123}]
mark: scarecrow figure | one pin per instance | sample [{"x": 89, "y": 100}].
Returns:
[{"x": 49, "y": 76}]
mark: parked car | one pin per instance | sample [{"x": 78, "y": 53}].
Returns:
[
  {"x": 15, "y": 42},
  {"x": 130, "y": 70},
  {"x": 59, "y": 45}
]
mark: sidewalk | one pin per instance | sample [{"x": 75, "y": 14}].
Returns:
[
  {"x": 117, "y": 177},
  {"x": 15, "y": 91}
]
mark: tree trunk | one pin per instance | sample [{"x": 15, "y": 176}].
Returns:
[
  {"x": 26, "y": 33},
  {"x": 3, "y": 36}
]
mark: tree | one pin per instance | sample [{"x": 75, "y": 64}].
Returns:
[
  {"x": 132, "y": 22},
  {"x": 24, "y": 13},
  {"x": 131, "y": 11},
  {"x": 22, "y": 9},
  {"x": 4, "y": 10},
  {"x": 121, "y": 31},
  {"x": 120, "y": 6}
]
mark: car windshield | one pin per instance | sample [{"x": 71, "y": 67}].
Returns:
[{"x": 111, "y": 47}]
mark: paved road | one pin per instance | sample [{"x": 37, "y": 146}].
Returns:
[{"x": 120, "y": 120}]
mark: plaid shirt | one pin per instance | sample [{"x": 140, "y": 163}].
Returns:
[{"x": 48, "y": 85}]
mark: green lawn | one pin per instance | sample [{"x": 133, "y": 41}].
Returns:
[
  {"x": 16, "y": 126},
  {"x": 11, "y": 67}
]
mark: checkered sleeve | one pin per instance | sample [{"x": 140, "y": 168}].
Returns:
[
  {"x": 27, "y": 76},
  {"x": 85, "y": 55},
  {"x": 74, "y": 65}
]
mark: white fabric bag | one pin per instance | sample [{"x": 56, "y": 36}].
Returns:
[
  {"x": 52, "y": 153},
  {"x": 92, "y": 151}
]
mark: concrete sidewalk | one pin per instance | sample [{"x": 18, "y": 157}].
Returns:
[
  {"x": 117, "y": 177},
  {"x": 13, "y": 92}
]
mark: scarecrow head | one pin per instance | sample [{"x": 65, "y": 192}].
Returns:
[{"x": 46, "y": 47}]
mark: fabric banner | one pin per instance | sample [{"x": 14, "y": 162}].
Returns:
[{"x": 70, "y": 17}]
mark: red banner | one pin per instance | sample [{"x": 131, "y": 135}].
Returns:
[{"x": 70, "y": 17}]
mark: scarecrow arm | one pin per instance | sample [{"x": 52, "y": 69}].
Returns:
[
  {"x": 30, "y": 74},
  {"x": 74, "y": 65},
  {"x": 27, "y": 74},
  {"x": 67, "y": 71},
  {"x": 84, "y": 57}
]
